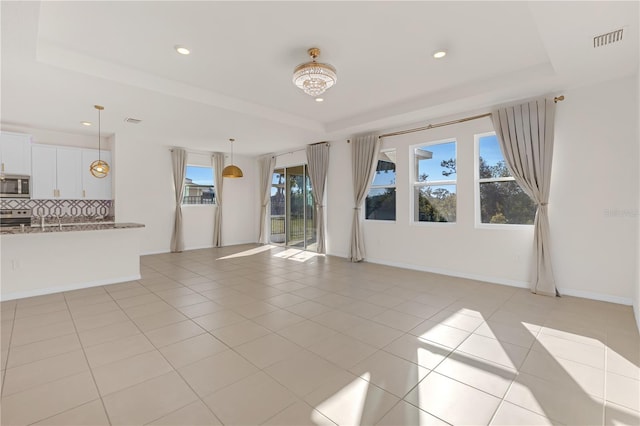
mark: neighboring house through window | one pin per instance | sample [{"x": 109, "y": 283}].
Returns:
[{"x": 198, "y": 188}]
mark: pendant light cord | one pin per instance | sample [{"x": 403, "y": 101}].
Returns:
[
  {"x": 232, "y": 141},
  {"x": 99, "y": 138}
]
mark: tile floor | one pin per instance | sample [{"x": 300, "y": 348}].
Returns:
[{"x": 256, "y": 335}]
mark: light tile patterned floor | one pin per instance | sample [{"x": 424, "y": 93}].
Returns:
[{"x": 255, "y": 335}]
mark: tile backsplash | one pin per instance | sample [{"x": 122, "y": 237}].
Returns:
[{"x": 68, "y": 209}]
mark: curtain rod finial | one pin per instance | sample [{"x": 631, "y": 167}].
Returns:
[{"x": 558, "y": 99}]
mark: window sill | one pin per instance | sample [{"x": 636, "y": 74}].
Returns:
[
  {"x": 503, "y": 227},
  {"x": 428, "y": 224}
]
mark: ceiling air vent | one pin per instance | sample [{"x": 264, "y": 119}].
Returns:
[
  {"x": 132, "y": 120},
  {"x": 608, "y": 38}
]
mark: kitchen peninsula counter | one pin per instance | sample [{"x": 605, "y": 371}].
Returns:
[
  {"x": 58, "y": 258},
  {"x": 70, "y": 227}
]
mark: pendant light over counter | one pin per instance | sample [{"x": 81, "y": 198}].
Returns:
[
  {"x": 99, "y": 168},
  {"x": 232, "y": 171}
]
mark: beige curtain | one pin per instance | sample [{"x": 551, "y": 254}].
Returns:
[
  {"x": 217, "y": 160},
  {"x": 364, "y": 158},
  {"x": 267, "y": 164},
  {"x": 179, "y": 165},
  {"x": 318, "y": 164},
  {"x": 525, "y": 133}
]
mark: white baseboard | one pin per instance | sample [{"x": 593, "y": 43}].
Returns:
[
  {"x": 344, "y": 255},
  {"x": 495, "y": 280},
  {"x": 595, "y": 296},
  {"x": 59, "y": 289},
  {"x": 239, "y": 243},
  {"x": 198, "y": 247},
  {"x": 513, "y": 283},
  {"x": 149, "y": 253}
]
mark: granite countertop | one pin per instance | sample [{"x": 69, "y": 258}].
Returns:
[{"x": 69, "y": 227}]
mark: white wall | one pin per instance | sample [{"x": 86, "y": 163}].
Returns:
[
  {"x": 54, "y": 137},
  {"x": 339, "y": 205},
  {"x": 145, "y": 194},
  {"x": 594, "y": 192},
  {"x": 240, "y": 207},
  {"x": 144, "y": 190},
  {"x": 595, "y": 168},
  {"x": 636, "y": 299},
  {"x": 499, "y": 255},
  {"x": 50, "y": 262}
]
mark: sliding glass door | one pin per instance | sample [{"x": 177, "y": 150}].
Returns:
[{"x": 292, "y": 208}]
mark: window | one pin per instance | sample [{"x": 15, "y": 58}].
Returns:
[
  {"x": 198, "y": 186},
  {"x": 500, "y": 198},
  {"x": 381, "y": 200},
  {"x": 434, "y": 182}
]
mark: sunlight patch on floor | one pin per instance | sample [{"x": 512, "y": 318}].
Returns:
[
  {"x": 297, "y": 255},
  {"x": 347, "y": 404},
  {"x": 249, "y": 252}
]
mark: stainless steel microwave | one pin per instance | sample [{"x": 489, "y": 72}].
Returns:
[{"x": 14, "y": 186}]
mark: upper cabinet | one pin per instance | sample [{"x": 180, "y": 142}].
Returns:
[
  {"x": 94, "y": 188},
  {"x": 43, "y": 178},
  {"x": 15, "y": 153},
  {"x": 56, "y": 173},
  {"x": 63, "y": 173}
]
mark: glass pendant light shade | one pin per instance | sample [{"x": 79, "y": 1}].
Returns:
[
  {"x": 313, "y": 77},
  {"x": 99, "y": 168},
  {"x": 232, "y": 171}
]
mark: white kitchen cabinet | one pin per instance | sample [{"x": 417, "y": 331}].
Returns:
[
  {"x": 15, "y": 153},
  {"x": 69, "y": 175},
  {"x": 94, "y": 188},
  {"x": 56, "y": 172},
  {"x": 43, "y": 176}
]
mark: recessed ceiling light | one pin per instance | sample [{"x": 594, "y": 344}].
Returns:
[
  {"x": 85, "y": 123},
  {"x": 182, "y": 50},
  {"x": 319, "y": 100},
  {"x": 439, "y": 54}
]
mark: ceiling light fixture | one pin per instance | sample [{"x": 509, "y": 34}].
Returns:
[
  {"x": 439, "y": 54},
  {"x": 182, "y": 50},
  {"x": 232, "y": 171},
  {"x": 86, "y": 123},
  {"x": 319, "y": 100},
  {"x": 313, "y": 77},
  {"x": 99, "y": 168}
]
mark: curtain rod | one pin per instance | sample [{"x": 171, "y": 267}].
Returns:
[
  {"x": 193, "y": 152},
  {"x": 298, "y": 150},
  {"x": 447, "y": 123}
]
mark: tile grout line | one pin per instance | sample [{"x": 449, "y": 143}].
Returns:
[
  {"x": 88, "y": 366},
  {"x": 167, "y": 361},
  {"x": 6, "y": 367},
  {"x": 339, "y": 308},
  {"x": 263, "y": 369},
  {"x": 604, "y": 391}
]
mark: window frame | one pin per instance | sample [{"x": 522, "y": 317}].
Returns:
[
  {"x": 372, "y": 186},
  {"x": 414, "y": 183},
  {"x": 215, "y": 203},
  {"x": 477, "y": 182}
]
